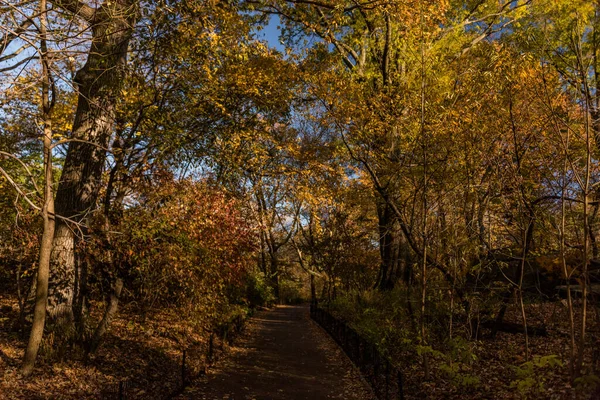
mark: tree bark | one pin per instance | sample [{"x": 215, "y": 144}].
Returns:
[
  {"x": 99, "y": 83},
  {"x": 41, "y": 297},
  {"x": 390, "y": 248}
]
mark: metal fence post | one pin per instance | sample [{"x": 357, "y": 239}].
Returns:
[
  {"x": 357, "y": 347},
  {"x": 375, "y": 367},
  {"x": 120, "y": 390},
  {"x": 183, "y": 369},
  {"x": 360, "y": 351},
  {"x": 211, "y": 347},
  {"x": 387, "y": 379},
  {"x": 400, "y": 386}
]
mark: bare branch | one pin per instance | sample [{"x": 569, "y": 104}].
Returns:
[
  {"x": 8, "y": 38},
  {"x": 18, "y": 189},
  {"x": 17, "y": 65},
  {"x": 29, "y": 174}
]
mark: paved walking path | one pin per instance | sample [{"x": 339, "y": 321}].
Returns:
[{"x": 283, "y": 355}]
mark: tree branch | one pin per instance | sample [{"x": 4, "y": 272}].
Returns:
[{"x": 76, "y": 8}]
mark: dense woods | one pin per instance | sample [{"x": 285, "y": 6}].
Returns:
[{"x": 428, "y": 170}]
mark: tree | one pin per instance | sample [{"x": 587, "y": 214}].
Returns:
[
  {"x": 48, "y": 214},
  {"x": 98, "y": 84}
]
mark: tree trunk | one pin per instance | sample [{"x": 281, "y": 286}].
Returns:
[
  {"x": 109, "y": 314},
  {"x": 80, "y": 296},
  {"x": 63, "y": 273},
  {"x": 390, "y": 248},
  {"x": 41, "y": 296},
  {"x": 274, "y": 275},
  {"x": 99, "y": 82}
]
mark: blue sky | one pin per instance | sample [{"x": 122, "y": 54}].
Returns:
[{"x": 271, "y": 34}]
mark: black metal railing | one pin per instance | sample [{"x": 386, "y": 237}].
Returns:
[
  {"x": 193, "y": 363},
  {"x": 384, "y": 377}
]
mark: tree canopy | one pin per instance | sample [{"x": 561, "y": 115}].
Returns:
[{"x": 427, "y": 169}]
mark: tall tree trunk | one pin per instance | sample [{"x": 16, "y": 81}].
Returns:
[
  {"x": 99, "y": 82},
  {"x": 390, "y": 247},
  {"x": 41, "y": 295}
]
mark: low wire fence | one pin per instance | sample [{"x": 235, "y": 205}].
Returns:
[
  {"x": 384, "y": 377},
  {"x": 192, "y": 363}
]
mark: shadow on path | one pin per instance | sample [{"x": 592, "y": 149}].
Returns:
[{"x": 283, "y": 355}]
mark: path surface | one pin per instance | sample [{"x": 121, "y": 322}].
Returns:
[{"x": 283, "y": 355}]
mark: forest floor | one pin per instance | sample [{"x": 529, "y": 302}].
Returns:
[
  {"x": 500, "y": 365},
  {"x": 142, "y": 352},
  {"x": 282, "y": 355}
]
